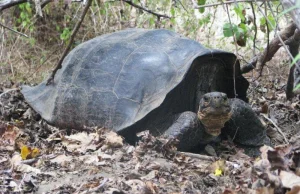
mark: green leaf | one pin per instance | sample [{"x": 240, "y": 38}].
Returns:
[
  {"x": 227, "y": 31},
  {"x": 239, "y": 32},
  {"x": 24, "y": 23},
  {"x": 244, "y": 27},
  {"x": 172, "y": 20},
  {"x": 28, "y": 7},
  {"x": 102, "y": 11},
  {"x": 22, "y": 6},
  {"x": 201, "y": 2},
  {"x": 262, "y": 21},
  {"x": 151, "y": 21},
  {"x": 23, "y": 15},
  {"x": 240, "y": 11},
  {"x": 172, "y": 11},
  {"x": 272, "y": 23}
]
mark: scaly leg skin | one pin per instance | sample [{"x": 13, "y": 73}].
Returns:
[
  {"x": 189, "y": 131},
  {"x": 245, "y": 128}
]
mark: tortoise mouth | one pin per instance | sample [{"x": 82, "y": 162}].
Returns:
[{"x": 214, "y": 122}]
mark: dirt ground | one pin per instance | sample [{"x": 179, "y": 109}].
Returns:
[{"x": 38, "y": 158}]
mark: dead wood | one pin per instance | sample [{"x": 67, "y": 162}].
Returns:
[{"x": 260, "y": 60}]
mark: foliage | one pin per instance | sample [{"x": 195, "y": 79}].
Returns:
[
  {"x": 48, "y": 33},
  {"x": 25, "y": 16}
]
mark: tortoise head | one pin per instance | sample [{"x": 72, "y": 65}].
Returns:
[{"x": 214, "y": 112}]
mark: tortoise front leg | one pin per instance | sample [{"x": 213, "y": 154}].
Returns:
[
  {"x": 245, "y": 128},
  {"x": 188, "y": 130}
]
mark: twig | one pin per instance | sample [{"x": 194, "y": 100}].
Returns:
[
  {"x": 38, "y": 68},
  {"x": 76, "y": 28},
  {"x": 97, "y": 189},
  {"x": 278, "y": 129},
  {"x": 204, "y": 157},
  {"x": 255, "y": 28},
  {"x": 14, "y": 31},
  {"x": 182, "y": 5},
  {"x": 224, "y": 2},
  {"x": 5, "y": 4},
  {"x": 198, "y": 156},
  {"x": 7, "y": 91},
  {"x": 144, "y": 9}
]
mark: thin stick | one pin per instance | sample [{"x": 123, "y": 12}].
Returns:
[
  {"x": 255, "y": 28},
  {"x": 74, "y": 32},
  {"x": 7, "y": 91},
  {"x": 144, "y": 9},
  {"x": 198, "y": 156},
  {"x": 14, "y": 31},
  {"x": 278, "y": 129},
  {"x": 182, "y": 5},
  {"x": 204, "y": 157}
]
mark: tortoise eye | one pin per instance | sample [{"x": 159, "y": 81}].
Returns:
[{"x": 206, "y": 98}]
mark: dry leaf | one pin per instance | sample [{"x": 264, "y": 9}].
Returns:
[
  {"x": 289, "y": 179},
  {"x": 113, "y": 140},
  {"x": 80, "y": 142}
]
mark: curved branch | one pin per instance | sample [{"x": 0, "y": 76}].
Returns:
[
  {"x": 4, "y": 4},
  {"x": 144, "y": 9},
  {"x": 275, "y": 44},
  {"x": 14, "y": 31}
]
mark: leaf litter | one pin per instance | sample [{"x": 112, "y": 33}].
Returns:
[{"x": 39, "y": 158}]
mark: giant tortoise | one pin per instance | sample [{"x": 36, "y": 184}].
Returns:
[{"x": 156, "y": 80}]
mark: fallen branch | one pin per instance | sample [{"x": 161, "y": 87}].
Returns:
[
  {"x": 4, "y": 4},
  {"x": 66, "y": 51},
  {"x": 198, "y": 156},
  {"x": 14, "y": 31},
  {"x": 204, "y": 157},
  {"x": 144, "y": 9},
  {"x": 275, "y": 44}
]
